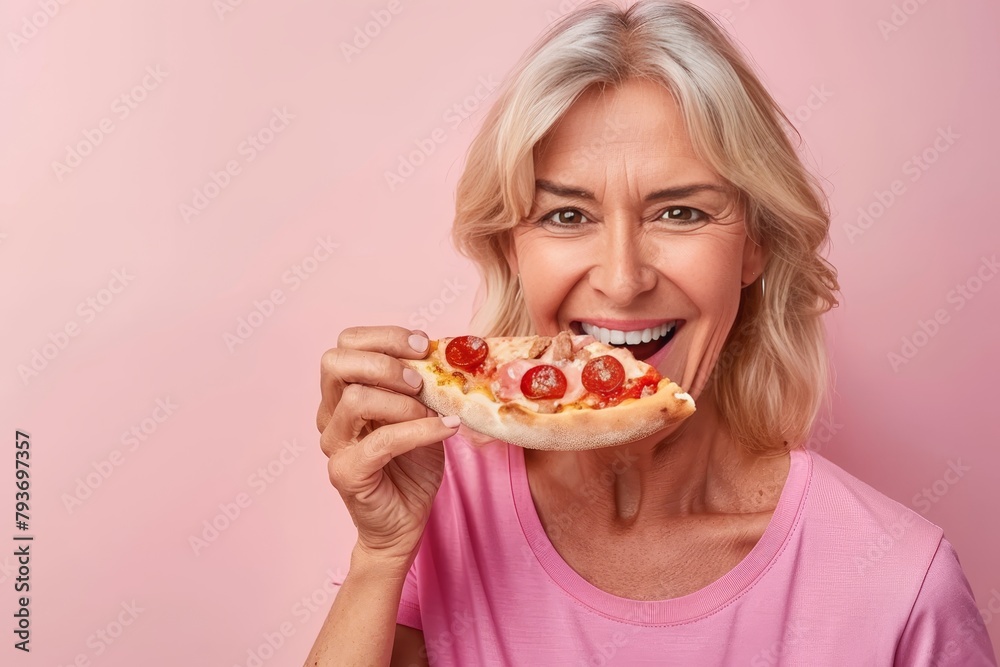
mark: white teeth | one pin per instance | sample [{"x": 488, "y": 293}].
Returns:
[{"x": 618, "y": 337}]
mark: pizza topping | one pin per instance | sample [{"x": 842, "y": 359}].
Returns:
[
  {"x": 538, "y": 346},
  {"x": 642, "y": 386},
  {"x": 580, "y": 342},
  {"x": 543, "y": 381},
  {"x": 507, "y": 385},
  {"x": 515, "y": 394},
  {"x": 466, "y": 352},
  {"x": 504, "y": 349},
  {"x": 561, "y": 348},
  {"x": 463, "y": 381},
  {"x": 546, "y": 374},
  {"x": 633, "y": 367},
  {"x": 603, "y": 375}
]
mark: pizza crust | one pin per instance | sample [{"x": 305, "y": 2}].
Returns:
[{"x": 571, "y": 429}]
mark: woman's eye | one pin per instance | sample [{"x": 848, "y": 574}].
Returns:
[
  {"x": 684, "y": 214},
  {"x": 565, "y": 216}
]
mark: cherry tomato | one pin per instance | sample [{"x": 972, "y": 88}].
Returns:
[
  {"x": 466, "y": 352},
  {"x": 543, "y": 381},
  {"x": 603, "y": 375}
]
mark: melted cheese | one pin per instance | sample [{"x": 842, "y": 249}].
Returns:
[{"x": 506, "y": 349}]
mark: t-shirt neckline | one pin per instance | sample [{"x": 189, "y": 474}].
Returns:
[{"x": 700, "y": 603}]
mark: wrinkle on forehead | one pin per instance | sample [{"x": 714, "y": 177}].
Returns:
[{"x": 633, "y": 136}]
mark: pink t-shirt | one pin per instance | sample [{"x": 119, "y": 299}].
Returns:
[{"x": 843, "y": 575}]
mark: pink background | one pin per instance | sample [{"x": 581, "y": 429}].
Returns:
[{"x": 878, "y": 98}]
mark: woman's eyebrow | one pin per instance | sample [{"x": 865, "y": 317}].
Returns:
[{"x": 666, "y": 193}]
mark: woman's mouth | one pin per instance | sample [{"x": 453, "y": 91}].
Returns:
[{"x": 641, "y": 342}]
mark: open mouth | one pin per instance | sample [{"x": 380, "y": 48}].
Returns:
[{"x": 642, "y": 343}]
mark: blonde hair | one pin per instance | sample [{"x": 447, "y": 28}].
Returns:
[{"x": 771, "y": 377}]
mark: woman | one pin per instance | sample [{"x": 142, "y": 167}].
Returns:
[{"x": 633, "y": 173}]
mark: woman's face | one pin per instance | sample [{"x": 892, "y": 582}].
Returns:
[{"x": 630, "y": 231}]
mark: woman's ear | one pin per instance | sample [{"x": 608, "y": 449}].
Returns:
[{"x": 755, "y": 258}]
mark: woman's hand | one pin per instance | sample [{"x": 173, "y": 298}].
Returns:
[{"x": 385, "y": 449}]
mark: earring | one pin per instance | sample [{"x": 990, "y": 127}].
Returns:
[
  {"x": 763, "y": 287},
  {"x": 520, "y": 293}
]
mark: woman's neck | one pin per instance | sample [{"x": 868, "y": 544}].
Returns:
[{"x": 697, "y": 469}]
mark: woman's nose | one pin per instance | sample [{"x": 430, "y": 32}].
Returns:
[{"x": 622, "y": 272}]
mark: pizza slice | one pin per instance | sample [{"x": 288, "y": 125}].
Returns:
[{"x": 562, "y": 392}]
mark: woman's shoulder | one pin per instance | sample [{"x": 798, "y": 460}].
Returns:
[
  {"x": 888, "y": 551},
  {"x": 879, "y": 532}
]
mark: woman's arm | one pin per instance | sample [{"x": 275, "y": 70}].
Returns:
[
  {"x": 945, "y": 626},
  {"x": 361, "y": 627},
  {"x": 387, "y": 462}
]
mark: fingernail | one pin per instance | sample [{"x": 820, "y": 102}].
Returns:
[
  {"x": 418, "y": 343},
  {"x": 412, "y": 377},
  {"x": 451, "y": 421}
]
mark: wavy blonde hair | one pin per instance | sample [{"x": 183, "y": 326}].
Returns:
[{"x": 772, "y": 375}]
